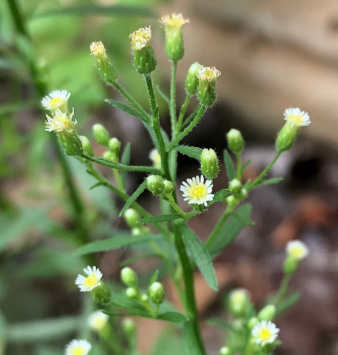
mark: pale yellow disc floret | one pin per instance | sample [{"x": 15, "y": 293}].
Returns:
[
  {"x": 97, "y": 49},
  {"x": 173, "y": 21},
  {"x": 97, "y": 320},
  {"x": 89, "y": 282},
  {"x": 297, "y": 117},
  {"x": 78, "y": 347},
  {"x": 140, "y": 38},
  {"x": 265, "y": 332},
  {"x": 208, "y": 74},
  {"x": 297, "y": 249},
  {"x": 60, "y": 122},
  {"x": 155, "y": 157},
  {"x": 196, "y": 191}
]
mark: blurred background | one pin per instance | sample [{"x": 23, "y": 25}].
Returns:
[{"x": 272, "y": 55}]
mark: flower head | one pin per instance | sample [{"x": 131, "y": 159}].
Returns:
[
  {"x": 173, "y": 21},
  {"x": 265, "y": 332},
  {"x": 89, "y": 282},
  {"x": 297, "y": 117},
  {"x": 209, "y": 74},
  {"x": 239, "y": 295},
  {"x": 55, "y": 100},
  {"x": 140, "y": 38},
  {"x": 196, "y": 191},
  {"x": 297, "y": 249},
  {"x": 78, "y": 347},
  {"x": 97, "y": 49},
  {"x": 155, "y": 157},
  {"x": 60, "y": 122},
  {"x": 97, "y": 320}
]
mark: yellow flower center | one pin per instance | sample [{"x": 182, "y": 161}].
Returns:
[
  {"x": 173, "y": 21},
  {"x": 297, "y": 251},
  {"x": 197, "y": 192},
  {"x": 209, "y": 74},
  {"x": 296, "y": 119},
  {"x": 238, "y": 297},
  {"x": 55, "y": 102},
  {"x": 99, "y": 323},
  {"x": 97, "y": 49},
  {"x": 79, "y": 350},
  {"x": 265, "y": 334},
  {"x": 140, "y": 38},
  {"x": 61, "y": 123},
  {"x": 91, "y": 280}
]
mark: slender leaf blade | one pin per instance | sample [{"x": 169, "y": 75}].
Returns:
[
  {"x": 173, "y": 317},
  {"x": 289, "y": 302},
  {"x": 134, "y": 197},
  {"x": 192, "y": 152},
  {"x": 220, "y": 196},
  {"x": 157, "y": 219},
  {"x": 229, "y": 165},
  {"x": 270, "y": 181},
  {"x": 125, "y": 108},
  {"x": 125, "y": 159}
]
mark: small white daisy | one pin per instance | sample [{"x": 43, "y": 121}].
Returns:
[
  {"x": 265, "y": 332},
  {"x": 56, "y": 99},
  {"x": 155, "y": 157},
  {"x": 78, "y": 347},
  {"x": 60, "y": 122},
  {"x": 196, "y": 191},
  {"x": 297, "y": 249},
  {"x": 297, "y": 117},
  {"x": 97, "y": 320},
  {"x": 88, "y": 283}
]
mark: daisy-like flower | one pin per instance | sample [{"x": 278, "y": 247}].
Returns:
[
  {"x": 78, "y": 347},
  {"x": 60, "y": 122},
  {"x": 265, "y": 332},
  {"x": 97, "y": 320},
  {"x": 209, "y": 74},
  {"x": 97, "y": 49},
  {"x": 89, "y": 282},
  {"x": 297, "y": 117},
  {"x": 57, "y": 99},
  {"x": 196, "y": 191},
  {"x": 140, "y": 38},
  {"x": 155, "y": 157},
  {"x": 173, "y": 21},
  {"x": 297, "y": 249}
]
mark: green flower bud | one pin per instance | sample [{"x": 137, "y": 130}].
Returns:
[
  {"x": 206, "y": 87},
  {"x": 225, "y": 351},
  {"x": 137, "y": 231},
  {"x": 155, "y": 184},
  {"x": 267, "y": 313},
  {"x": 129, "y": 277},
  {"x": 131, "y": 293},
  {"x": 70, "y": 143},
  {"x": 243, "y": 193},
  {"x": 252, "y": 322},
  {"x": 104, "y": 64},
  {"x": 174, "y": 45},
  {"x": 191, "y": 82},
  {"x": 114, "y": 146},
  {"x": 131, "y": 217},
  {"x": 144, "y": 57},
  {"x": 144, "y": 298},
  {"x": 101, "y": 294},
  {"x": 128, "y": 326},
  {"x": 231, "y": 201},
  {"x": 235, "y": 186},
  {"x": 235, "y": 141},
  {"x": 290, "y": 264},
  {"x": 87, "y": 146},
  {"x": 168, "y": 187},
  {"x": 108, "y": 155},
  {"x": 156, "y": 293},
  {"x": 101, "y": 135},
  {"x": 209, "y": 163},
  {"x": 239, "y": 302}
]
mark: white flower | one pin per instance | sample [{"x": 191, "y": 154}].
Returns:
[
  {"x": 196, "y": 191},
  {"x": 173, "y": 21},
  {"x": 297, "y": 117},
  {"x": 297, "y": 249},
  {"x": 140, "y": 38},
  {"x": 78, "y": 347},
  {"x": 97, "y": 49},
  {"x": 97, "y": 320},
  {"x": 60, "y": 122},
  {"x": 56, "y": 99},
  {"x": 208, "y": 74},
  {"x": 155, "y": 157},
  {"x": 265, "y": 332},
  {"x": 88, "y": 283}
]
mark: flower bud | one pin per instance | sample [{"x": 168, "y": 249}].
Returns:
[
  {"x": 267, "y": 313},
  {"x": 209, "y": 163},
  {"x": 128, "y": 326},
  {"x": 144, "y": 298},
  {"x": 168, "y": 187},
  {"x": 137, "y": 231},
  {"x": 101, "y": 135},
  {"x": 243, "y": 194},
  {"x": 231, "y": 201},
  {"x": 101, "y": 294},
  {"x": 174, "y": 45},
  {"x": 87, "y": 146},
  {"x": 191, "y": 82},
  {"x": 155, "y": 157},
  {"x": 108, "y": 155},
  {"x": 206, "y": 87},
  {"x": 144, "y": 57},
  {"x": 114, "y": 146},
  {"x": 225, "y": 351},
  {"x": 104, "y": 64},
  {"x": 131, "y": 217},
  {"x": 155, "y": 184},
  {"x": 252, "y": 322},
  {"x": 129, "y": 277},
  {"x": 156, "y": 293},
  {"x": 235, "y": 141},
  {"x": 235, "y": 186},
  {"x": 239, "y": 302},
  {"x": 131, "y": 293}
]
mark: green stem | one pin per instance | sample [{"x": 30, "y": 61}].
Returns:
[
  {"x": 182, "y": 112},
  {"x": 190, "y": 118},
  {"x": 177, "y": 139},
  {"x": 173, "y": 98},
  {"x": 282, "y": 289},
  {"x": 157, "y": 127},
  {"x": 239, "y": 166},
  {"x": 264, "y": 172}
]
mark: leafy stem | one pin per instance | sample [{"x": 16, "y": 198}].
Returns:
[{"x": 182, "y": 112}]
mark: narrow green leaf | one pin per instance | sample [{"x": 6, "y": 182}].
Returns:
[
  {"x": 18, "y": 106},
  {"x": 125, "y": 108},
  {"x": 229, "y": 230},
  {"x": 135, "y": 258},
  {"x": 134, "y": 197},
  {"x": 154, "y": 277},
  {"x": 173, "y": 317},
  {"x": 229, "y": 165},
  {"x": 270, "y": 181},
  {"x": 220, "y": 323},
  {"x": 192, "y": 152},
  {"x": 157, "y": 219},
  {"x": 125, "y": 159},
  {"x": 200, "y": 255},
  {"x": 112, "y": 10},
  {"x": 245, "y": 165},
  {"x": 289, "y": 302},
  {"x": 220, "y": 196},
  {"x": 117, "y": 242},
  {"x": 245, "y": 221},
  {"x": 96, "y": 185}
]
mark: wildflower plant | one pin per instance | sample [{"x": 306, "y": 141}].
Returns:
[{"x": 252, "y": 331}]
